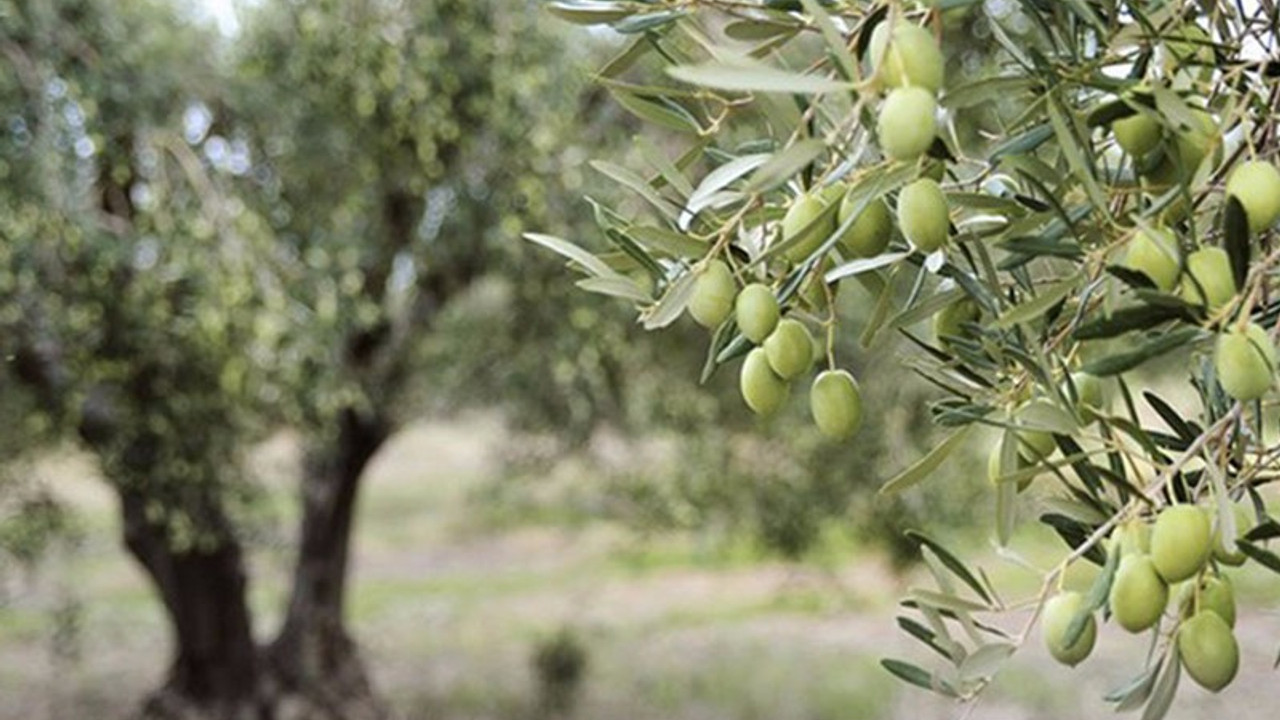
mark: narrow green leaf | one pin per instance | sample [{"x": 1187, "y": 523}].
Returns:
[
  {"x": 951, "y": 561},
  {"x": 913, "y": 675},
  {"x": 651, "y": 21},
  {"x": 616, "y": 286},
  {"x": 584, "y": 259},
  {"x": 985, "y": 661},
  {"x": 668, "y": 242},
  {"x": 747, "y": 76},
  {"x": 671, "y": 304},
  {"x": 1235, "y": 231},
  {"x": 922, "y": 468},
  {"x": 1166, "y": 687},
  {"x": 1142, "y": 317},
  {"x": 1133, "y": 694},
  {"x": 857, "y": 267},
  {"x": 836, "y": 42},
  {"x": 637, "y": 184},
  {"x": 1037, "y": 306},
  {"x": 758, "y": 29},
  {"x": 1078, "y": 157},
  {"x": 945, "y": 601},
  {"x": 1023, "y": 143},
  {"x": 1096, "y": 598},
  {"x": 1124, "y": 361},
  {"x": 656, "y": 113},
  {"x": 1265, "y": 557},
  {"x": 590, "y": 13},
  {"x": 721, "y": 178},
  {"x": 782, "y": 166}
]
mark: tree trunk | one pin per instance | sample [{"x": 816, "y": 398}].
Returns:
[
  {"x": 215, "y": 671},
  {"x": 315, "y": 663}
]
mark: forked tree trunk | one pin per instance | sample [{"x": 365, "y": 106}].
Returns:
[
  {"x": 215, "y": 671},
  {"x": 314, "y": 662}
]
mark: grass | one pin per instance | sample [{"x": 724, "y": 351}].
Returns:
[{"x": 450, "y": 609}]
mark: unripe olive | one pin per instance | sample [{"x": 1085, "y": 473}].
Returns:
[
  {"x": 1180, "y": 542},
  {"x": 1138, "y": 595},
  {"x": 802, "y": 221},
  {"x": 1245, "y": 362},
  {"x": 789, "y": 348},
  {"x": 1256, "y": 185},
  {"x": 836, "y": 403},
  {"x": 1215, "y": 593},
  {"x": 995, "y": 471},
  {"x": 763, "y": 391},
  {"x": 949, "y": 322},
  {"x": 1034, "y": 444},
  {"x": 1092, "y": 395},
  {"x": 912, "y": 56},
  {"x": 1058, "y": 614},
  {"x": 1134, "y": 538},
  {"x": 713, "y": 293},
  {"x": 923, "y": 215},
  {"x": 1188, "y": 45},
  {"x": 868, "y": 236},
  {"x": 1208, "y": 280},
  {"x": 1138, "y": 134},
  {"x": 813, "y": 290},
  {"x": 756, "y": 311},
  {"x": 906, "y": 125},
  {"x": 1154, "y": 254},
  {"x": 1192, "y": 144},
  {"x": 1234, "y": 557},
  {"x": 1208, "y": 650}
]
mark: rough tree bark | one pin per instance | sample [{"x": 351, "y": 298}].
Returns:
[
  {"x": 215, "y": 670},
  {"x": 314, "y": 662}
]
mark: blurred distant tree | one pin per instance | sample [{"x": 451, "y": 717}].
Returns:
[{"x": 195, "y": 252}]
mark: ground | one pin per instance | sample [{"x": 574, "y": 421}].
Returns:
[{"x": 450, "y": 607}]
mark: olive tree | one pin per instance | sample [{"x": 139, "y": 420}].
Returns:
[
  {"x": 1064, "y": 195},
  {"x": 205, "y": 242}
]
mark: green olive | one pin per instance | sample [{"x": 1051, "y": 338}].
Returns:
[
  {"x": 1256, "y": 185},
  {"x": 1245, "y": 362},
  {"x": 868, "y": 236},
  {"x": 756, "y": 311},
  {"x": 806, "y": 222},
  {"x": 995, "y": 469},
  {"x": 763, "y": 391},
  {"x": 1209, "y": 650},
  {"x": 1092, "y": 395},
  {"x": 950, "y": 321},
  {"x": 1134, "y": 538},
  {"x": 836, "y": 403},
  {"x": 1138, "y": 595},
  {"x": 923, "y": 215},
  {"x": 910, "y": 56},
  {"x": 1234, "y": 557},
  {"x": 906, "y": 125},
  {"x": 1059, "y": 611},
  {"x": 1214, "y": 593},
  {"x": 1208, "y": 280},
  {"x": 789, "y": 348},
  {"x": 1138, "y": 134},
  {"x": 1154, "y": 254},
  {"x": 1180, "y": 542},
  {"x": 1034, "y": 444},
  {"x": 713, "y": 293}
]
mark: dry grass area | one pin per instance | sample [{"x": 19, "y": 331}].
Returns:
[{"x": 450, "y": 612}]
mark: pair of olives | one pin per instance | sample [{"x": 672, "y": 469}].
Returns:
[{"x": 907, "y": 59}]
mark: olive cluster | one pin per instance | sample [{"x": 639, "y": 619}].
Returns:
[
  {"x": 1180, "y": 547},
  {"x": 785, "y": 351},
  {"x": 1244, "y": 356}
]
